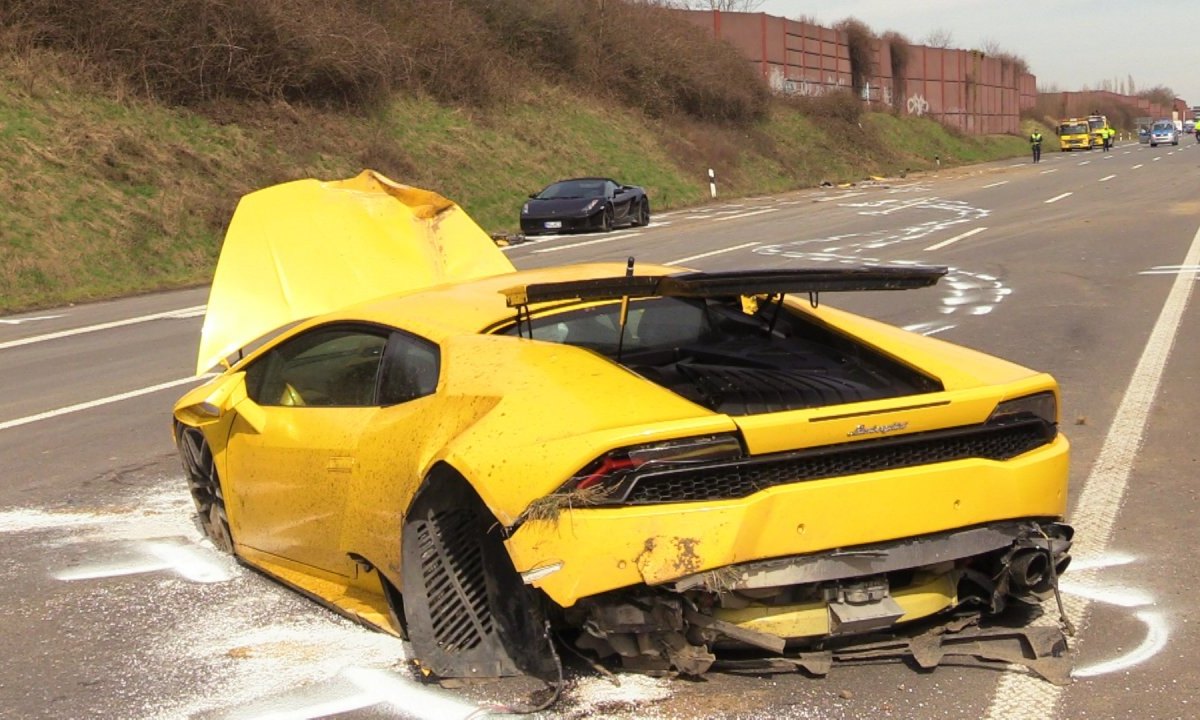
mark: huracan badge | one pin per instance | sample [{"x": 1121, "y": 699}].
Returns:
[{"x": 876, "y": 429}]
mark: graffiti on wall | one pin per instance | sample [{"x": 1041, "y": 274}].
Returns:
[{"x": 917, "y": 105}]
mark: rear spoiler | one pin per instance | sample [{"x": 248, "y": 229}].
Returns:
[{"x": 730, "y": 283}]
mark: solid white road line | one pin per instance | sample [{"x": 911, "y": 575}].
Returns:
[
  {"x": 170, "y": 314},
  {"x": 680, "y": 261},
  {"x": 1106, "y": 178},
  {"x": 956, "y": 238},
  {"x": 102, "y": 401},
  {"x": 1021, "y": 696},
  {"x": 607, "y": 238},
  {"x": 995, "y": 184},
  {"x": 1056, "y": 198}
]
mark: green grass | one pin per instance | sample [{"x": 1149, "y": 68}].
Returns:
[{"x": 103, "y": 196}]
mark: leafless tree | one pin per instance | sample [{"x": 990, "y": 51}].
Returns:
[
  {"x": 939, "y": 38},
  {"x": 727, "y": 5}
]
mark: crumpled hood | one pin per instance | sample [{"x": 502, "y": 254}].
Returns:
[{"x": 308, "y": 247}]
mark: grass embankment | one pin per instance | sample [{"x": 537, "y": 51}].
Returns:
[{"x": 103, "y": 195}]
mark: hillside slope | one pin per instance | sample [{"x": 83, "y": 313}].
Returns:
[{"x": 104, "y": 193}]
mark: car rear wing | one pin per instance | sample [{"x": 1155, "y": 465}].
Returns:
[{"x": 730, "y": 283}]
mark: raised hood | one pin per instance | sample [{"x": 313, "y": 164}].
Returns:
[{"x": 308, "y": 247}]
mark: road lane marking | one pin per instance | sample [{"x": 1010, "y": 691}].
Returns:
[
  {"x": 956, "y": 238},
  {"x": 1024, "y": 695},
  {"x": 1047, "y": 172},
  {"x": 839, "y": 197},
  {"x": 597, "y": 241},
  {"x": 1156, "y": 159},
  {"x": 1085, "y": 162},
  {"x": 102, "y": 401},
  {"x": 168, "y": 315},
  {"x": 680, "y": 261},
  {"x": 1170, "y": 270},
  {"x": 18, "y": 321},
  {"x": 745, "y": 214},
  {"x": 995, "y": 184},
  {"x": 1135, "y": 167},
  {"x": 1056, "y": 198},
  {"x": 1106, "y": 178}
]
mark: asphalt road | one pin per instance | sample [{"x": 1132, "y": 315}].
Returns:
[{"x": 112, "y": 606}]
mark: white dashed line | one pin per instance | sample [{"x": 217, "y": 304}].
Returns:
[
  {"x": 1056, "y": 198},
  {"x": 1135, "y": 167},
  {"x": 1051, "y": 170},
  {"x": 995, "y": 184},
  {"x": 956, "y": 238},
  {"x": 1106, "y": 178},
  {"x": 745, "y": 214},
  {"x": 102, "y": 401},
  {"x": 680, "y": 261},
  {"x": 597, "y": 241},
  {"x": 169, "y": 315}
]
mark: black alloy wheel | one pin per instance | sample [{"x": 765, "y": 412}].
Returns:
[
  {"x": 643, "y": 216},
  {"x": 205, "y": 486},
  {"x": 606, "y": 219}
]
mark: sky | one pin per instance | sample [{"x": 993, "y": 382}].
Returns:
[{"x": 1068, "y": 44}]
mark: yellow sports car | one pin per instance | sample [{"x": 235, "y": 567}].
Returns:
[{"x": 646, "y": 463}]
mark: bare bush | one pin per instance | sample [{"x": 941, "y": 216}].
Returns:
[
  {"x": 357, "y": 52},
  {"x": 842, "y": 105},
  {"x": 860, "y": 40},
  {"x": 899, "y": 48}
]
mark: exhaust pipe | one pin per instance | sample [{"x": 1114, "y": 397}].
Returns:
[{"x": 1029, "y": 570}]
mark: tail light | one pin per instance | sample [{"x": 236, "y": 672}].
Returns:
[{"x": 609, "y": 472}]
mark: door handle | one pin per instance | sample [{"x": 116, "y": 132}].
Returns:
[{"x": 340, "y": 464}]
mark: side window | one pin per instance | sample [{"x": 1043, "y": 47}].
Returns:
[
  {"x": 410, "y": 369},
  {"x": 325, "y": 367}
]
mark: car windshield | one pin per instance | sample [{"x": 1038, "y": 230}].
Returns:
[
  {"x": 573, "y": 189},
  {"x": 1073, "y": 129},
  {"x": 1163, "y": 128}
]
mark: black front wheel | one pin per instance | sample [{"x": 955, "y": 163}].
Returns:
[
  {"x": 606, "y": 219},
  {"x": 205, "y": 486}
]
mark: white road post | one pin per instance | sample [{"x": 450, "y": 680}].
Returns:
[{"x": 712, "y": 183}]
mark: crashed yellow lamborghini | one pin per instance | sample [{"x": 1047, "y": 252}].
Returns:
[{"x": 648, "y": 464}]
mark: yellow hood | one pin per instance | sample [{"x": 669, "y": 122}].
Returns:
[{"x": 308, "y": 247}]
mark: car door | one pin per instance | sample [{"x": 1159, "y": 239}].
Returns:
[
  {"x": 622, "y": 199},
  {"x": 316, "y": 391}
]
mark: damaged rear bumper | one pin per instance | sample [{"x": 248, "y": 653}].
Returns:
[{"x": 814, "y": 603}]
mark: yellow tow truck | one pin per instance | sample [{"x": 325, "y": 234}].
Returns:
[{"x": 1073, "y": 134}]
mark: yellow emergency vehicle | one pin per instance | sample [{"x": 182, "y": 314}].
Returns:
[{"x": 1074, "y": 134}]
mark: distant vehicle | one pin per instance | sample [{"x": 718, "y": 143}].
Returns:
[
  {"x": 1163, "y": 132},
  {"x": 1073, "y": 134},
  {"x": 1189, "y": 126},
  {"x": 582, "y": 204}
]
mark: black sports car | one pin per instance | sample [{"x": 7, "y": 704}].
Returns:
[{"x": 582, "y": 204}]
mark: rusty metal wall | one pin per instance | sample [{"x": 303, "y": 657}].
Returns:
[{"x": 961, "y": 88}]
